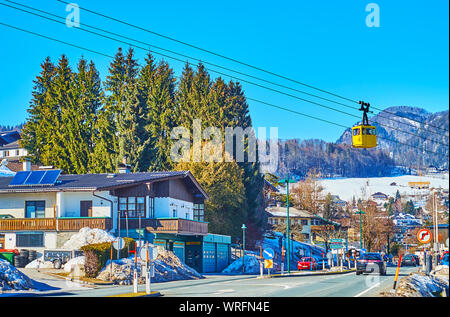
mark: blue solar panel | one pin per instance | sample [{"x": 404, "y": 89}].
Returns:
[
  {"x": 19, "y": 178},
  {"x": 35, "y": 178},
  {"x": 50, "y": 177}
]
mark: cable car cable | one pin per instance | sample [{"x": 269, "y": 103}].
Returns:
[
  {"x": 215, "y": 71},
  {"x": 233, "y": 59},
  {"x": 282, "y": 108}
]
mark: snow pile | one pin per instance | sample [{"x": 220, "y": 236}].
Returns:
[
  {"x": 168, "y": 267},
  {"x": 420, "y": 285},
  {"x": 39, "y": 263},
  {"x": 12, "y": 279},
  {"x": 251, "y": 262},
  {"x": 72, "y": 263},
  {"x": 87, "y": 236},
  {"x": 6, "y": 172}
]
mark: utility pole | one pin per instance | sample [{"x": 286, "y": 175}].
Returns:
[
  {"x": 243, "y": 247},
  {"x": 287, "y": 181},
  {"x": 436, "y": 231},
  {"x": 360, "y": 228}
]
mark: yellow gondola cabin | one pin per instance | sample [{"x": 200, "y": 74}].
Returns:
[{"x": 364, "y": 136}]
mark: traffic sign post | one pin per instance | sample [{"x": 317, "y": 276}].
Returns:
[{"x": 424, "y": 236}]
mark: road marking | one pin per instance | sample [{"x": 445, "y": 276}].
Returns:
[
  {"x": 363, "y": 292},
  {"x": 223, "y": 291}
]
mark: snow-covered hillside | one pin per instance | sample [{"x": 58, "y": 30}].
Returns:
[{"x": 346, "y": 188}]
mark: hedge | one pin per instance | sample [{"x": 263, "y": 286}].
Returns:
[{"x": 96, "y": 255}]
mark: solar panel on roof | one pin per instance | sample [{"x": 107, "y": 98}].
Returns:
[
  {"x": 19, "y": 178},
  {"x": 34, "y": 178},
  {"x": 50, "y": 177}
]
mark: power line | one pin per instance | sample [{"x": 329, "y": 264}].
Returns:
[
  {"x": 256, "y": 100},
  {"x": 237, "y": 61},
  {"x": 215, "y": 71}
]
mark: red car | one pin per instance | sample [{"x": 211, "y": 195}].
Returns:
[{"x": 306, "y": 263}]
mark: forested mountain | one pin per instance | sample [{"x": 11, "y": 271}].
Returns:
[
  {"x": 329, "y": 159},
  {"x": 408, "y": 142},
  {"x": 11, "y": 127},
  {"x": 397, "y": 133}
]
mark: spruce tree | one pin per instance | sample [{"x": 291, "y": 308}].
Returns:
[
  {"x": 34, "y": 136},
  {"x": 160, "y": 117}
]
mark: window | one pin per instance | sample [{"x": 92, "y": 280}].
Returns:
[
  {"x": 304, "y": 222},
  {"x": 30, "y": 240},
  {"x": 17, "y": 152},
  {"x": 151, "y": 202},
  {"x": 199, "y": 212},
  {"x": 134, "y": 206},
  {"x": 35, "y": 209}
]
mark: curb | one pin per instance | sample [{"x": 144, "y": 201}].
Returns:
[
  {"x": 154, "y": 294},
  {"x": 309, "y": 274}
]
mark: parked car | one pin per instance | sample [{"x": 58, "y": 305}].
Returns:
[
  {"x": 307, "y": 263},
  {"x": 370, "y": 262},
  {"x": 410, "y": 260},
  {"x": 444, "y": 259}
]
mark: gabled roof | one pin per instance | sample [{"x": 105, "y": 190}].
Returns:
[
  {"x": 293, "y": 212},
  {"x": 8, "y": 137},
  {"x": 91, "y": 182}
]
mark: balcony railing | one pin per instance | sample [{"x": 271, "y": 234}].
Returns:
[
  {"x": 167, "y": 225},
  {"x": 54, "y": 224}
]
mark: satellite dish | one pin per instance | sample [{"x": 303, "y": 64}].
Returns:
[{"x": 4, "y": 162}]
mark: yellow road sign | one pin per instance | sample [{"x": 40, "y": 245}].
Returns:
[{"x": 268, "y": 264}]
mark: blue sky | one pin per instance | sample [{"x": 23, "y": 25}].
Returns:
[{"x": 324, "y": 43}]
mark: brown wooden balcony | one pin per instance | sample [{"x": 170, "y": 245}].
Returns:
[
  {"x": 54, "y": 224},
  {"x": 167, "y": 225}
]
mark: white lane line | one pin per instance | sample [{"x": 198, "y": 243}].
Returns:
[{"x": 365, "y": 291}]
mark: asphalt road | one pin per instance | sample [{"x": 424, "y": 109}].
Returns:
[{"x": 340, "y": 285}]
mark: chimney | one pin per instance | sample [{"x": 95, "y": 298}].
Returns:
[
  {"x": 26, "y": 165},
  {"x": 124, "y": 168}
]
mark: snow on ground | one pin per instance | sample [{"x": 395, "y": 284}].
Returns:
[
  {"x": 251, "y": 261},
  {"x": 87, "y": 236},
  {"x": 39, "y": 263},
  {"x": 70, "y": 265},
  {"x": 12, "y": 279},
  {"x": 5, "y": 172},
  {"x": 420, "y": 285},
  {"x": 346, "y": 188},
  {"x": 168, "y": 267}
]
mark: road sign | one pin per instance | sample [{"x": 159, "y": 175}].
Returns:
[
  {"x": 118, "y": 244},
  {"x": 268, "y": 254},
  {"x": 268, "y": 264},
  {"x": 337, "y": 243},
  {"x": 424, "y": 236},
  {"x": 152, "y": 253}
]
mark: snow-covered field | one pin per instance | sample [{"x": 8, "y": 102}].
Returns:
[{"x": 346, "y": 188}]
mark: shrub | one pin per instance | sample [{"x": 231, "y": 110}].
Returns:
[{"x": 96, "y": 255}]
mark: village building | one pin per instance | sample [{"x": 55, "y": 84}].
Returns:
[
  {"x": 277, "y": 215},
  {"x": 164, "y": 208}
]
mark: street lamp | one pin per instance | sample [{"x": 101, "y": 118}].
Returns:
[
  {"x": 360, "y": 228},
  {"x": 243, "y": 247},
  {"x": 287, "y": 181}
]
